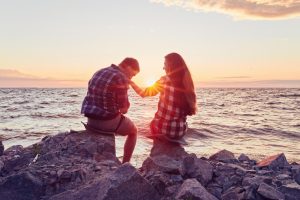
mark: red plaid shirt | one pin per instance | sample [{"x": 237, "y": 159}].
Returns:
[
  {"x": 107, "y": 94},
  {"x": 169, "y": 118}
]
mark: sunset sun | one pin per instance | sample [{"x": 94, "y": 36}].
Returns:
[{"x": 149, "y": 82}]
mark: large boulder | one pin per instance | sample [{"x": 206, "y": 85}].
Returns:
[
  {"x": 192, "y": 189},
  {"x": 123, "y": 184},
  {"x": 56, "y": 164}
]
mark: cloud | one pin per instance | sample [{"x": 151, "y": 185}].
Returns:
[
  {"x": 14, "y": 73},
  {"x": 234, "y": 77},
  {"x": 249, "y": 9},
  {"x": 251, "y": 84},
  {"x": 14, "y": 78}
]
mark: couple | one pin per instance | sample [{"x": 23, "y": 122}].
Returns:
[{"x": 106, "y": 101}]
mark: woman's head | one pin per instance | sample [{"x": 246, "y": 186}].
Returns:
[
  {"x": 177, "y": 70},
  {"x": 174, "y": 64}
]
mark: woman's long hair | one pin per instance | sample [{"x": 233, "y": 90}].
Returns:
[{"x": 182, "y": 80}]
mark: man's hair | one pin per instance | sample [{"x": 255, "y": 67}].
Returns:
[{"x": 130, "y": 62}]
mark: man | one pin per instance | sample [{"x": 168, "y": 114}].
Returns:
[{"x": 106, "y": 102}]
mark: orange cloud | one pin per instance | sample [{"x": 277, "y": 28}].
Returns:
[
  {"x": 249, "y": 9},
  {"x": 15, "y": 79}
]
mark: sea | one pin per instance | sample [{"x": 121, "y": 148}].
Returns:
[{"x": 257, "y": 122}]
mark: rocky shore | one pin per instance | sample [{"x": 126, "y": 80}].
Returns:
[{"x": 80, "y": 165}]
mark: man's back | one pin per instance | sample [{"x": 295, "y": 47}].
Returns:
[{"x": 107, "y": 94}]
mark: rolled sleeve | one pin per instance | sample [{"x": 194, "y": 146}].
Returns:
[{"x": 122, "y": 93}]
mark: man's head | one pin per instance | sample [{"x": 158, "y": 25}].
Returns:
[{"x": 130, "y": 67}]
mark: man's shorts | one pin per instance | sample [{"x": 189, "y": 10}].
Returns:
[{"x": 121, "y": 125}]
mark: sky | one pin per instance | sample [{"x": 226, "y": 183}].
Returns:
[{"x": 61, "y": 43}]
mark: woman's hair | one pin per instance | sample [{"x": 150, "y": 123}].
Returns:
[{"x": 182, "y": 80}]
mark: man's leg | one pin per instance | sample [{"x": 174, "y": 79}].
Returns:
[
  {"x": 129, "y": 147},
  {"x": 127, "y": 128}
]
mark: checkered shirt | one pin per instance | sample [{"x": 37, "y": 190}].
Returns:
[
  {"x": 169, "y": 118},
  {"x": 107, "y": 93}
]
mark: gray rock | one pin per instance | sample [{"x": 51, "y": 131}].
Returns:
[
  {"x": 274, "y": 162},
  {"x": 125, "y": 183},
  {"x": 215, "y": 190},
  {"x": 22, "y": 186},
  {"x": 194, "y": 167},
  {"x": 234, "y": 194},
  {"x": 296, "y": 173},
  {"x": 1, "y": 165},
  {"x": 269, "y": 192},
  {"x": 1, "y": 148},
  {"x": 223, "y": 156},
  {"x": 162, "y": 163},
  {"x": 243, "y": 158},
  {"x": 251, "y": 193},
  {"x": 169, "y": 149},
  {"x": 291, "y": 191},
  {"x": 13, "y": 150},
  {"x": 256, "y": 181},
  {"x": 192, "y": 189}
]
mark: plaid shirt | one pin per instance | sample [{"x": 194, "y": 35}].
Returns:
[
  {"x": 107, "y": 94},
  {"x": 169, "y": 118}
]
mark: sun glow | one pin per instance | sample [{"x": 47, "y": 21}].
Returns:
[{"x": 149, "y": 82}]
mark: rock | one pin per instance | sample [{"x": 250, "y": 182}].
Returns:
[
  {"x": 162, "y": 163},
  {"x": 1, "y": 148},
  {"x": 171, "y": 191},
  {"x": 215, "y": 189},
  {"x": 223, "y": 156},
  {"x": 256, "y": 181},
  {"x": 269, "y": 192},
  {"x": 61, "y": 162},
  {"x": 233, "y": 194},
  {"x": 192, "y": 189},
  {"x": 125, "y": 183},
  {"x": 274, "y": 162},
  {"x": 291, "y": 191},
  {"x": 194, "y": 167},
  {"x": 296, "y": 173},
  {"x": 243, "y": 158},
  {"x": 1, "y": 166},
  {"x": 169, "y": 149},
  {"x": 16, "y": 160},
  {"x": 21, "y": 186},
  {"x": 251, "y": 193},
  {"x": 13, "y": 150}
]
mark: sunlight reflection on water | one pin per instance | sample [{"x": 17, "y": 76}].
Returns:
[{"x": 257, "y": 122}]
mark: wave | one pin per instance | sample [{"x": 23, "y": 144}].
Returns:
[
  {"x": 288, "y": 95},
  {"x": 21, "y": 102},
  {"x": 54, "y": 116}
]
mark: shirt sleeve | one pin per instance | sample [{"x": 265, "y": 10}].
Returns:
[{"x": 122, "y": 93}]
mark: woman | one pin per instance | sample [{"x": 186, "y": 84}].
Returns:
[{"x": 177, "y": 98}]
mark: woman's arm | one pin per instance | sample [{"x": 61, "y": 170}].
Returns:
[{"x": 150, "y": 91}]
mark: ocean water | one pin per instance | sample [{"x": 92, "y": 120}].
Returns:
[{"x": 257, "y": 122}]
